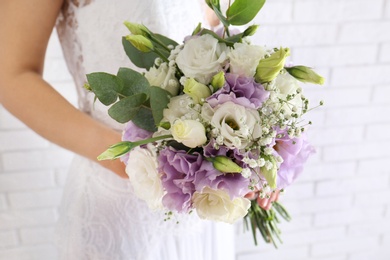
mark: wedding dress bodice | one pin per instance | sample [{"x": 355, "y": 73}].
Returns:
[
  {"x": 100, "y": 217},
  {"x": 90, "y": 32}
]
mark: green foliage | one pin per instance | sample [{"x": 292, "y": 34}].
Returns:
[
  {"x": 106, "y": 87},
  {"x": 159, "y": 99},
  {"x": 133, "y": 82},
  {"x": 143, "y": 47},
  {"x": 265, "y": 221},
  {"x": 242, "y": 12},
  {"x": 138, "y": 58},
  {"x": 132, "y": 97},
  {"x": 144, "y": 119},
  {"x": 127, "y": 108}
]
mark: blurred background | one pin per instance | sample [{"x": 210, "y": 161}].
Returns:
[{"x": 340, "y": 205}]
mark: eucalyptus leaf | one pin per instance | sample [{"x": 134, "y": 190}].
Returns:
[
  {"x": 159, "y": 99},
  {"x": 216, "y": 36},
  {"x": 126, "y": 109},
  {"x": 167, "y": 41},
  {"x": 220, "y": 16},
  {"x": 105, "y": 86},
  {"x": 144, "y": 119},
  {"x": 133, "y": 82},
  {"x": 242, "y": 12},
  {"x": 138, "y": 58}
]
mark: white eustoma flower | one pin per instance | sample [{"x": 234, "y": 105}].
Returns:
[
  {"x": 191, "y": 133},
  {"x": 217, "y": 205},
  {"x": 144, "y": 177},
  {"x": 238, "y": 125},
  {"x": 201, "y": 58},
  {"x": 287, "y": 85},
  {"x": 180, "y": 107},
  {"x": 164, "y": 77},
  {"x": 244, "y": 58}
]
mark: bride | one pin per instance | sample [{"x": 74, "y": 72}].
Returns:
[{"x": 100, "y": 216}]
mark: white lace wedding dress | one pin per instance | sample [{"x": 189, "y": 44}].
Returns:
[{"x": 100, "y": 217}]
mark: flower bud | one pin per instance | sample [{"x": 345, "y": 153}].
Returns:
[
  {"x": 197, "y": 91},
  {"x": 198, "y": 29},
  {"x": 115, "y": 151},
  {"x": 269, "y": 68},
  {"x": 251, "y": 30},
  {"x": 136, "y": 29},
  {"x": 224, "y": 164},
  {"x": 218, "y": 80},
  {"x": 140, "y": 42},
  {"x": 270, "y": 173},
  {"x": 305, "y": 74}
]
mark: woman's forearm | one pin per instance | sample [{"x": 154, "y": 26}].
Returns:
[
  {"x": 44, "y": 110},
  {"x": 25, "y": 28}
]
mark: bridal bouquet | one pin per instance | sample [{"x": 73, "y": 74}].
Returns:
[{"x": 213, "y": 124}]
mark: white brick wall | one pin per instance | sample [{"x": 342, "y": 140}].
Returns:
[{"x": 340, "y": 205}]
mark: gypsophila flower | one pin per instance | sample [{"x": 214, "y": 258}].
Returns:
[
  {"x": 261, "y": 162},
  {"x": 268, "y": 150},
  {"x": 246, "y": 173}
]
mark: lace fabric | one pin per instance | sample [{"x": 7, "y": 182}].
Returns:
[{"x": 100, "y": 217}]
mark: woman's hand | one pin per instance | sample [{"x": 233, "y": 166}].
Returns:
[{"x": 266, "y": 202}]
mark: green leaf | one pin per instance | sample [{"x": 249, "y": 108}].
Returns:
[
  {"x": 133, "y": 82},
  {"x": 127, "y": 108},
  {"x": 227, "y": 41},
  {"x": 242, "y": 12},
  {"x": 220, "y": 16},
  {"x": 138, "y": 58},
  {"x": 144, "y": 119},
  {"x": 159, "y": 99},
  {"x": 167, "y": 41},
  {"x": 105, "y": 86}
]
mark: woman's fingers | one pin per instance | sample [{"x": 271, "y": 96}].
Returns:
[{"x": 266, "y": 203}]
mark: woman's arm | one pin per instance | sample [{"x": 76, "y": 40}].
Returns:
[{"x": 25, "y": 28}]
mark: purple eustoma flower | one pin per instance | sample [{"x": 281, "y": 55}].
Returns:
[
  {"x": 178, "y": 171},
  {"x": 233, "y": 183},
  {"x": 241, "y": 91},
  {"x": 183, "y": 174},
  {"x": 295, "y": 153},
  {"x": 133, "y": 133}
]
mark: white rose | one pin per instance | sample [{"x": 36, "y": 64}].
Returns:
[
  {"x": 201, "y": 58},
  {"x": 236, "y": 124},
  {"x": 144, "y": 177},
  {"x": 180, "y": 107},
  {"x": 164, "y": 77},
  {"x": 244, "y": 58},
  {"x": 191, "y": 133},
  {"x": 286, "y": 85},
  {"x": 216, "y": 205}
]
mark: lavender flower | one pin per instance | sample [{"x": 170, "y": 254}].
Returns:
[
  {"x": 294, "y": 152},
  {"x": 240, "y": 90},
  {"x": 133, "y": 133},
  {"x": 178, "y": 172}
]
